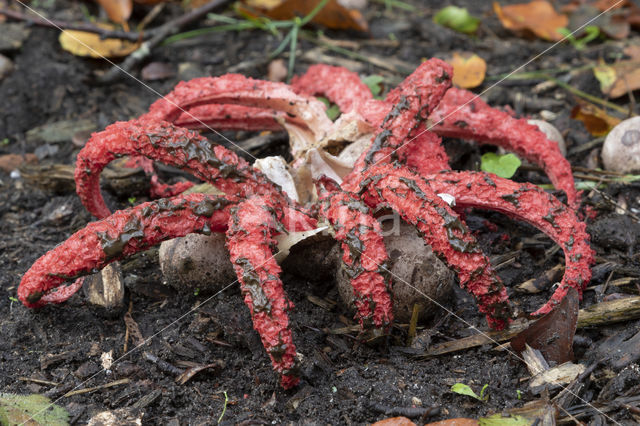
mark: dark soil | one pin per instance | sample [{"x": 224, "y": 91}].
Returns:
[{"x": 343, "y": 380}]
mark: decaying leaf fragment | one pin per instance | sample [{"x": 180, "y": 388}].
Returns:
[{"x": 537, "y": 17}]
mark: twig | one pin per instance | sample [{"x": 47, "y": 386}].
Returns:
[
  {"x": 95, "y": 388},
  {"x": 38, "y": 381},
  {"x": 159, "y": 34},
  {"x": 599, "y": 314},
  {"x": 90, "y": 28}
]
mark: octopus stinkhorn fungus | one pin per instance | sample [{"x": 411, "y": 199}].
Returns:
[{"x": 404, "y": 169}]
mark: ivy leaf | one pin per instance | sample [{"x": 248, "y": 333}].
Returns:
[
  {"x": 457, "y": 18},
  {"x": 463, "y": 389},
  {"x": 504, "y": 166},
  {"x": 373, "y": 83},
  {"x": 32, "y": 409},
  {"x": 332, "y": 111}
]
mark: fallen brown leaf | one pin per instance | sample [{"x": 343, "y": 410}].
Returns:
[
  {"x": 455, "y": 422},
  {"x": 468, "y": 69},
  {"x": 333, "y": 14},
  {"x": 538, "y": 17},
  {"x": 595, "y": 119},
  {"x": 118, "y": 11},
  {"x": 625, "y": 77}
]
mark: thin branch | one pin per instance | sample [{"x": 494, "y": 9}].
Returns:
[{"x": 90, "y": 28}]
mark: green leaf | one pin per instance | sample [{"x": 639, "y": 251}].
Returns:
[
  {"x": 457, "y": 18},
  {"x": 504, "y": 166},
  {"x": 373, "y": 83},
  {"x": 332, "y": 111},
  {"x": 18, "y": 409},
  {"x": 498, "y": 420},
  {"x": 463, "y": 389}
]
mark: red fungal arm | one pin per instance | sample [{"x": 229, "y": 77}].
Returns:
[
  {"x": 240, "y": 90},
  {"x": 168, "y": 144},
  {"x": 461, "y": 114},
  {"x": 531, "y": 204},
  {"x": 122, "y": 234},
  {"x": 250, "y": 241},
  {"x": 341, "y": 86},
  {"x": 363, "y": 252},
  {"x": 230, "y": 117},
  {"x": 417, "y": 203},
  {"x": 414, "y": 100}
]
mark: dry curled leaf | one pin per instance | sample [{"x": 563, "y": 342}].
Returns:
[
  {"x": 595, "y": 119},
  {"x": 82, "y": 43},
  {"x": 538, "y": 17},
  {"x": 619, "y": 78},
  {"x": 468, "y": 69},
  {"x": 333, "y": 14},
  {"x": 118, "y": 11}
]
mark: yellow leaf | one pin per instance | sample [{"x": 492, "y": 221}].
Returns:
[
  {"x": 606, "y": 75},
  {"x": 595, "y": 119},
  {"x": 538, "y": 17},
  {"x": 468, "y": 69},
  {"x": 82, "y": 43}
]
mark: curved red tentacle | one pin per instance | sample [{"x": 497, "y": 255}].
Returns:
[
  {"x": 164, "y": 142},
  {"x": 250, "y": 241},
  {"x": 341, "y": 86},
  {"x": 531, "y": 204},
  {"x": 462, "y": 114},
  {"x": 123, "y": 233},
  {"x": 237, "y": 89},
  {"x": 414, "y": 99},
  {"x": 416, "y": 201},
  {"x": 363, "y": 252}
]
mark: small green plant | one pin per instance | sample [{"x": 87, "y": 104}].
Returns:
[
  {"x": 196, "y": 292},
  {"x": 374, "y": 83},
  {"x": 463, "y": 389},
  {"x": 333, "y": 111},
  {"x": 13, "y": 299},
  {"x": 224, "y": 408},
  {"x": 592, "y": 32},
  {"x": 390, "y": 4},
  {"x": 519, "y": 393},
  {"x": 131, "y": 200},
  {"x": 457, "y": 18},
  {"x": 4, "y": 142},
  {"x": 504, "y": 166},
  {"x": 261, "y": 23}
]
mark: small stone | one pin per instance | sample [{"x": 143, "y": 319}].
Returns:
[
  {"x": 552, "y": 134},
  {"x": 196, "y": 263},
  {"x": 6, "y": 66},
  {"x": 13, "y": 35},
  {"x": 621, "y": 149},
  {"x": 158, "y": 71}
]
